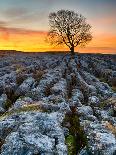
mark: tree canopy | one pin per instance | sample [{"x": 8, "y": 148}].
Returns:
[{"x": 69, "y": 28}]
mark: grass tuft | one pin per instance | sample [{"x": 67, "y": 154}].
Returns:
[
  {"x": 114, "y": 88},
  {"x": 70, "y": 142},
  {"x": 111, "y": 127},
  {"x": 26, "y": 108},
  {"x": 76, "y": 140}
]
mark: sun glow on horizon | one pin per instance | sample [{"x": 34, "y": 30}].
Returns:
[
  {"x": 34, "y": 41},
  {"x": 24, "y": 24}
]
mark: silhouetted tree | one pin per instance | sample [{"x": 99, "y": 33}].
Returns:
[{"x": 69, "y": 28}]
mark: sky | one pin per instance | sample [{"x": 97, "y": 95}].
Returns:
[{"x": 24, "y": 24}]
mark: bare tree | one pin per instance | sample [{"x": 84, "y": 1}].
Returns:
[{"x": 69, "y": 28}]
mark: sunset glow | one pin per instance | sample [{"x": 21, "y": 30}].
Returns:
[
  {"x": 25, "y": 40},
  {"x": 24, "y": 27}
]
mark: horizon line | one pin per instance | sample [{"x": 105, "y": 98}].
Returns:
[{"x": 56, "y": 52}]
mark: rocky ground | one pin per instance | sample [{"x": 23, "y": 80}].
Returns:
[{"x": 53, "y": 105}]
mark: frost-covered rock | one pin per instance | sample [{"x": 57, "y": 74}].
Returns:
[
  {"x": 14, "y": 145},
  {"x": 7, "y": 126},
  {"x": 3, "y": 99},
  {"x": 2, "y": 110},
  {"x": 53, "y": 99},
  {"x": 100, "y": 139},
  {"x": 77, "y": 94},
  {"x": 8, "y": 78},
  {"x": 103, "y": 114},
  {"x": 33, "y": 131},
  {"x": 85, "y": 110},
  {"x": 45, "y": 84},
  {"x": 33, "y": 123},
  {"x": 101, "y": 87},
  {"x": 93, "y": 101},
  {"x": 75, "y": 103},
  {"x": 60, "y": 88},
  {"x": 22, "y": 102},
  {"x": 25, "y": 86}
]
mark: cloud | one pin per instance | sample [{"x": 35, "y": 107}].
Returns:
[
  {"x": 106, "y": 20},
  {"x": 21, "y": 31},
  {"x": 15, "y": 12},
  {"x": 3, "y": 24},
  {"x": 3, "y": 30},
  {"x": 26, "y": 18}
]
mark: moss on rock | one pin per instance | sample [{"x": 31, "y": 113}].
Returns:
[{"x": 76, "y": 139}]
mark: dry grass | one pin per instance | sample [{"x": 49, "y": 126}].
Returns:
[
  {"x": 19, "y": 68},
  {"x": 110, "y": 127},
  {"x": 114, "y": 88},
  {"x": 25, "y": 108},
  {"x": 1, "y": 143},
  {"x": 37, "y": 75},
  {"x": 20, "y": 78},
  {"x": 47, "y": 91}
]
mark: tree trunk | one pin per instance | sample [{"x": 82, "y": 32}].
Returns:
[{"x": 72, "y": 50}]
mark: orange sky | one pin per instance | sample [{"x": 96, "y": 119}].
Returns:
[
  {"x": 24, "y": 24},
  {"x": 28, "y": 40}
]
